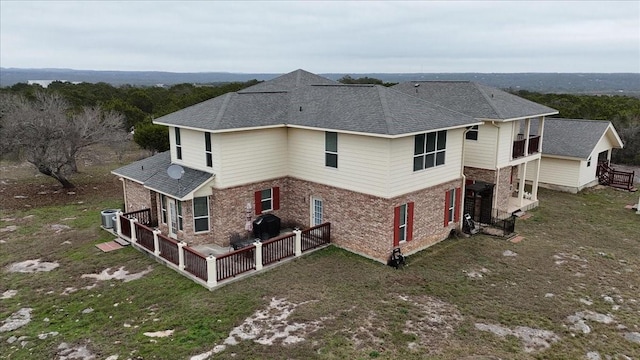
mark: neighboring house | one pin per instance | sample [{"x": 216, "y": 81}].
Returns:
[
  {"x": 498, "y": 153},
  {"x": 572, "y": 151},
  {"x": 385, "y": 167}
]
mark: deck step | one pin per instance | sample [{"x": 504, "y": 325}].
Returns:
[{"x": 121, "y": 241}]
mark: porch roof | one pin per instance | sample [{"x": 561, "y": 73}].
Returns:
[
  {"x": 575, "y": 138},
  {"x": 152, "y": 173}
]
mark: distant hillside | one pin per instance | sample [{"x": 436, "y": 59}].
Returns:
[{"x": 591, "y": 83}]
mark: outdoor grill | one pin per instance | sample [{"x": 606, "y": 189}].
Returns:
[{"x": 266, "y": 226}]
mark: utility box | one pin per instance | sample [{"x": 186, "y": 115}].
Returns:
[{"x": 108, "y": 217}]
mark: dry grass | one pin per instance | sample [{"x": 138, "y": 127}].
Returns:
[{"x": 580, "y": 248}]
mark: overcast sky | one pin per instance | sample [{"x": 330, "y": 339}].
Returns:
[{"x": 322, "y": 36}]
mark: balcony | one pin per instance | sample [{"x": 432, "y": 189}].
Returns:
[{"x": 520, "y": 144}]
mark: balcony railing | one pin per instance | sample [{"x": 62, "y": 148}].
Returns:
[{"x": 519, "y": 146}]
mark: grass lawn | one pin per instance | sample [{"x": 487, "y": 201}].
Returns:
[{"x": 573, "y": 284}]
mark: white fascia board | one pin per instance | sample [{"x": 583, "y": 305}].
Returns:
[{"x": 386, "y": 136}]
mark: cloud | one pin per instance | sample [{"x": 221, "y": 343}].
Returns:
[{"x": 353, "y": 37}]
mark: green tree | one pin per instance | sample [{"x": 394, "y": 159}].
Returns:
[{"x": 152, "y": 137}]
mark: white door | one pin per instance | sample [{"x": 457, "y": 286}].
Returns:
[
  {"x": 317, "y": 210},
  {"x": 173, "y": 218}
]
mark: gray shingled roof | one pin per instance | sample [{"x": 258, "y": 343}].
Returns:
[
  {"x": 476, "y": 100},
  {"x": 152, "y": 172},
  {"x": 572, "y": 137},
  {"x": 304, "y": 99}
]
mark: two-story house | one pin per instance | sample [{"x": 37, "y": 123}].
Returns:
[
  {"x": 385, "y": 167},
  {"x": 499, "y": 153}
]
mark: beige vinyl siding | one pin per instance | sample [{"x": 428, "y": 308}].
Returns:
[
  {"x": 193, "y": 154},
  {"x": 556, "y": 171},
  {"x": 363, "y": 161},
  {"x": 250, "y": 156},
  {"x": 505, "y": 142},
  {"x": 402, "y": 177},
  {"x": 481, "y": 153},
  {"x": 588, "y": 174}
]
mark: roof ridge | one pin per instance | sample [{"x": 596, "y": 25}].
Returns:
[
  {"x": 385, "y": 108},
  {"x": 223, "y": 107},
  {"x": 489, "y": 101}
]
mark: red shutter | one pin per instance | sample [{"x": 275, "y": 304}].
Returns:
[
  {"x": 410, "y": 221},
  {"x": 258, "y": 200},
  {"x": 469, "y": 182},
  {"x": 457, "y": 208},
  {"x": 447, "y": 194},
  {"x": 276, "y": 197},
  {"x": 396, "y": 224}
]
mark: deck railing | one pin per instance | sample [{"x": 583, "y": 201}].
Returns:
[
  {"x": 143, "y": 216},
  {"x": 168, "y": 249},
  {"x": 279, "y": 248},
  {"x": 316, "y": 236},
  {"x": 235, "y": 263},
  {"x": 195, "y": 263},
  {"x": 209, "y": 270},
  {"x": 520, "y": 144},
  {"x": 616, "y": 178},
  {"x": 144, "y": 236}
]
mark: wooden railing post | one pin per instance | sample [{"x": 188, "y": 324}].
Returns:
[
  {"x": 258, "y": 245},
  {"x": 134, "y": 236},
  {"x": 156, "y": 242},
  {"x": 118, "y": 226},
  {"x": 181, "y": 246},
  {"x": 298, "y": 242},
  {"x": 212, "y": 272}
]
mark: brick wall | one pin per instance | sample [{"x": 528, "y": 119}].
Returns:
[
  {"x": 505, "y": 188},
  {"x": 360, "y": 223},
  {"x": 478, "y": 174},
  {"x": 136, "y": 196},
  {"x": 364, "y": 224}
]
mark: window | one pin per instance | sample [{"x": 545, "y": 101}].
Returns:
[
  {"x": 472, "y": 134},
  {"x": 207, "y": 149},
  {"x": 267, "y": 199},
  {"x": 201, "y": 214},
  {"x": 589, "y": 161},
  {"x": 163, "y": 207},
  {"x": 331, "y": 149},
  {"x": 403, "y": 223},
  {"x": 179, "y": 206},
  {"x": 452, "y": 206},
  {"x": 178, "y": 144},
  {"x": 429, "y": 150}
]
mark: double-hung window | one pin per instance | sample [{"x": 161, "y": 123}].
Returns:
[
  {"x": 163, "y": 207},
  {"x": 267, "y": 199},
  {"x": 178, "y": 144},
  {"x": 179, "y": 206},
  {"x": 331, "y": 149},
  {"x": 403, "y": 223},
  {"x": 429, "y": 150},
  {"x": 207, "y": 149},
  {"x": 201, "y": 214}
]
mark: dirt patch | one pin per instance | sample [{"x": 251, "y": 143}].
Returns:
[
  {"x": 120, "y": 274},
  {"x": 532, "y": 339},
  {"x": 30, "y": 266}
]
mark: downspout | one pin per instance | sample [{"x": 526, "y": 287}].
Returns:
[{"x": 464, "y": 180}]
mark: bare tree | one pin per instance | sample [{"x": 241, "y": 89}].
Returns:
[{"x": 47, "y": 133}]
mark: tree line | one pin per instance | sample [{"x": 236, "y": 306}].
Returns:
[{"x": 50, "y": 126}]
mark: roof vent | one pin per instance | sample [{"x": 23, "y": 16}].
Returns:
[{"x": 300, "y": 108}]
